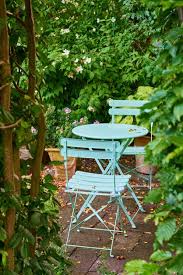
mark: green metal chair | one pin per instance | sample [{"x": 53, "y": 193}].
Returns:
[
  {"x": 91, "y": 185},
  {"x": 130, "y": 108}
]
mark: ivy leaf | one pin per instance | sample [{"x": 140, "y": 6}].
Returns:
[
  {"x": 177, "y": 240},
  {"x": 141, "y": 267},
  {"x": 24, "y": 250},
  {"x": 178, "y": 111},
  {"x": 153, "y": 196},
  {"x": 16, "y": 239},
  {"x": 166, "y": 230},
  {"x": 161, "y": 255},
  {"x": 4, "y": 256},
  {"x": 177, "y": 140},
  {"x": 2, "y": 234},
  {"x": 176, "y": 264},
  {"x": 29, "y": 236}
]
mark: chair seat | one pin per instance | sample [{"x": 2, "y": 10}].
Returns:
[
  {"x": 96, "y": 183},
  {"x": 134, "y": 150}
]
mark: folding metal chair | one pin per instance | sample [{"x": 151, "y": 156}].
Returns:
[
  {"x": 91, "y": 185},
  {"x": 131, "y": 108}
]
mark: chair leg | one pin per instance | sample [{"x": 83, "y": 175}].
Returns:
[
  {"x": 150, "y": 178},
  {"x": 135, "y": 198},
  {"x": 114, "y": 231},
  {"x": 120, "y": 201},
  {"x": 71, "y": 221},
  {"x": 89, "y": 199},
  {"x": 131, "y": 191}
]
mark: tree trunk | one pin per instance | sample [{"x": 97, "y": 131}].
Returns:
[
  {"x": 7, "y": 133},
  {"x": 36, "y": 163},
  {"x": 31, "y": 44}
]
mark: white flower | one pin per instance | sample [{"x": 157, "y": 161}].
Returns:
[
  {"x": 113, "y": 19},
  {"x": 76, "y": 60},
  {"x": 57, "y": 18},
  {"x": 98, "y": 20},
  {"x": 101, "y": 63},
  {"x": 91, "y": 109},
  {"x": 71, "y": 75},
  {"x": 94, "y": 30},
  {"x": 24, "y": 153},
  {"x": 75, "y": 123},
  {"x": 67, "y": 110},
  {"x": 49, "y": 171},
  {"x": 82, "y": 120},
  {"x": 79, "y": 69},
  {"x": 66, "y": 52},
  {"x": 87, "y": 60},
  {"x": 64, "y": 31},
  {"x": 77, "y": 35},
  {"x": 33, "y": 130}
]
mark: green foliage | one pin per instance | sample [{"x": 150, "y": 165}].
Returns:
[
  {"x": 60, "y": 124},
  {"x": 140, "y": 267},
  {"x": 38, "y": 215},
  {"x": 142, "y": 93},
  {"x": 166, "y": 105},
  {"x": 36, "y": 218},
  {"x": 99, "y": 51}
]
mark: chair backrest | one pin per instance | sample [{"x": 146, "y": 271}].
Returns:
[
  {"x": 94, "y": 149},
  {"x": 125, "y": 107}
]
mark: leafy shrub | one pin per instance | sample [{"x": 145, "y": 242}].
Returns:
[
  {"x": 100, "y": 51},
  {"x": 60, "y": 124},
  {"x": 166, "y": 152}
]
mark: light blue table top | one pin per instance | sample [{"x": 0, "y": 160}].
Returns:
[{"x": 109, "y": 131}]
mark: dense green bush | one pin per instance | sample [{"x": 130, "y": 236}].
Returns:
[
  {"x": 100, "y": 50},
  {"x": 166, "y": 151}
]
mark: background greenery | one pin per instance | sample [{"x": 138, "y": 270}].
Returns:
[
  {"x": 166, "y": 151},
  {"x": 99, "y": 50},
  {"x": 88, "y": 52}
]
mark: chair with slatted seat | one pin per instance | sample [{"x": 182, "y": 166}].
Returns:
[
  {"x": 132, "y": 108},
  {"x": 89, "y": 186}
]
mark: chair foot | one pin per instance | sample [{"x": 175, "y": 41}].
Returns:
[
  {"x": 134, "y": 226},
  {"x": 74, "y": 221},
  {"x": 142, "y": 209},
  {"x": 111, "y": 255}
]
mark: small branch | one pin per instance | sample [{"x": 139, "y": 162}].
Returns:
[
  {"x": 11, "y": 125},
  {"x": 18, "y": 88},
  {"x": 17, "y": 18},
  {"x": 2, "y": 62},
  {"x": 4, "y": 86},
  {"x": 31, "y": 48},
  {"x": 18, "y": 65}
]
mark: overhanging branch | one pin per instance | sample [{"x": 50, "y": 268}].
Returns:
[
  {"x": 17, "y": 18},
  {"x": 4, "y": 127}
]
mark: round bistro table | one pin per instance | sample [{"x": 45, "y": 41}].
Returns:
[{"x": 110, "y": 131}]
